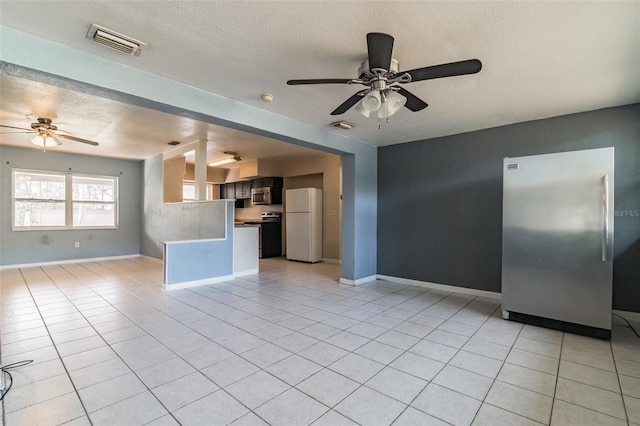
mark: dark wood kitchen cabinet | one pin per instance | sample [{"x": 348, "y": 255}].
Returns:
[
  {"x": 243, "y": 190},
  {"x": 275, "y": 183},
  {"x": 228, "y": 191}
]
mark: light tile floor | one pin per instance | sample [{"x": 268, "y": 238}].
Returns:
[{"x": 291, "y": 346}]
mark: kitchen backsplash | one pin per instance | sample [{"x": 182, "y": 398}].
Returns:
[{"x": 253, "y": 212}]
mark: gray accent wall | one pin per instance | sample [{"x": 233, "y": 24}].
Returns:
[
  {"x": 23, "y": 247},
  {"x": 440, "y": 200}
]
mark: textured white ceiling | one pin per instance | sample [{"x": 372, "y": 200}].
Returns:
[
  {"x": 540, "y": 59},
  {"x": 122, "y": 130}
]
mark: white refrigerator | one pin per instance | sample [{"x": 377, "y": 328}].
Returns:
[{"x": 303, "y": 218}]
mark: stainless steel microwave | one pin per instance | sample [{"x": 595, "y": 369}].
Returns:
[{"x": 261, "y": 195}]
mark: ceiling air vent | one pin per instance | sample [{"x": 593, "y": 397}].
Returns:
[
  {"x": 343, "y": 125},
  {"x": 114, "y": 40}
]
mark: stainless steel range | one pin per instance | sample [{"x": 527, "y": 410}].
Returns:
[{"x": 270, "y": 240}]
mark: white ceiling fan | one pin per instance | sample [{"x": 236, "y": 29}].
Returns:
[{"x": 47, "y": 134}]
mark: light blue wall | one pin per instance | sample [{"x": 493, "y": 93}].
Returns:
[
  {"x": 76, "y": 70},
  {"x": 21, "y": 247},
  {"x": 201, "y": 260}
]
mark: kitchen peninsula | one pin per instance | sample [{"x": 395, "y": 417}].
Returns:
[{"x": 208, "y": 249}]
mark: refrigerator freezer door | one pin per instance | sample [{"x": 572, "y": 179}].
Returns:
[
  {"x": 298, "y": 200},
  {"x": 299, "y": 236},
  {"x": 557, "y": 237}
]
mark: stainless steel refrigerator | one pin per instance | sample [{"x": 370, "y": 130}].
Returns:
[
  {"x": 557, "y": 240},
  {"x": 303, "y": 217}
]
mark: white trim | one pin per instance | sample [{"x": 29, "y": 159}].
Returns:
[
  {"x": 68, "y": 201},
  {"x": 197, "y": 283},
  {"x": 153, "y": 259},
  {"x": 359, "y": 280},
  {"x": 247, "y": 272},
  {"x": 192, "y": 241},
  {"x": 443, "y": 287},
  {"x": 628, "y": 315},
  {"x": 62, "y": 262},
  {"x": 336, "y": 261}
]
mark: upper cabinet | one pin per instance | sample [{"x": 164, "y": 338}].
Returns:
[
  {"x": 258, "y": 168},
  {"x": 228, "y": 191},
  {"x": 243, "y": 190},
  {"x": 275, "y": 183}
]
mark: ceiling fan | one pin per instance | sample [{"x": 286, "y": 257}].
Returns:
[
  {"x": 47, "y": 134},
  {"x": 383, "y": 80}
]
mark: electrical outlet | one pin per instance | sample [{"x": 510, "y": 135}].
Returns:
[
  {"x": 158, "y": 244},
  {"x": 77, "y": 244}
]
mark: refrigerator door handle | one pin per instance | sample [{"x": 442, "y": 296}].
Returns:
[{"x": 605, "y": 214}]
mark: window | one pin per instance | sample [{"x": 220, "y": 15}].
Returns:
[
  {"x": 94, "y": 203},
  {"x": 50, "y": 200},
  {"x": 189, "y": 191},
  {"x": 39, "y": 200}
]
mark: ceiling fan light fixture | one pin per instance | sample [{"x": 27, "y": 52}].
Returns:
[
  {"x": 392, "y": 103},
  {"x": 371, "y": 102},
  {"x": 43, "y": 141},
  {"x": 362, "y": 110}
]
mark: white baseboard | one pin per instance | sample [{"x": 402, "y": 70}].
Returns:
[
  {"x": 247, "y": 272},
  {"x": 628, "y": 315},
  {"x": 63, "y": 262},
  {"x": 197, "y": 283},
  {"x": 153, "y": 259},
  {"x": 359, "y": 280},
  {"x": 443, "y": 287},
  {"x": 336, "y": 261}
]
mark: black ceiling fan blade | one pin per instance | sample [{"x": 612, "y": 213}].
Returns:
[
  {"x": 322, "y": 81},
  {"x": 414, "y": 103},
  {"x": 470, "y": 66},
  {"x": 73, "y": 138},
  {"x": 19, "y": 128},
  {"x": 380, "y": 48},
  {"x": 346, "y": 105}
]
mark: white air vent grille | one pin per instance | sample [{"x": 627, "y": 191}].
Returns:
[{"x": 114, "y": 40}]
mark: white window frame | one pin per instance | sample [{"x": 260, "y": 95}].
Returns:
[
  {"x": 68, "y": 201},
  {"x": 193, "y": 183}
]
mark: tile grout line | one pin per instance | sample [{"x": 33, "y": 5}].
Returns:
[
  {"x": 168, "y": 348},
  {"x": 445, "y": 364},
  {"x": 615, "y": 366},
  {"x": 329, "y": 408},
  {"x": 495, "y": 379},
  {"x": 147, "y": 299},
  {"x": 107, "y": 343},
  {"x": 323, "y": 367},
  {"x": 555, "y": 388},
  {"x": 54, "y": 346}
]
